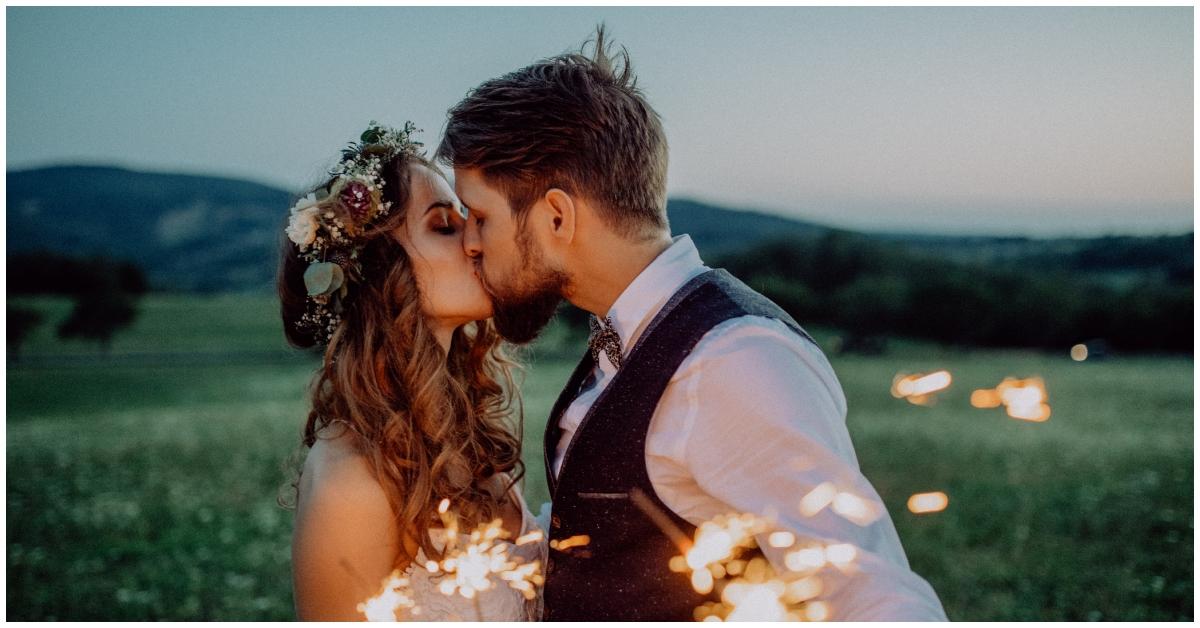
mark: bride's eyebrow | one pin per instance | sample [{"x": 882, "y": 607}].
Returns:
[{"x": 441, "y": 204}]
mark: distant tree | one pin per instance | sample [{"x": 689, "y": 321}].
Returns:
[
  {"x": 105, "y": 292},
  {"x": 131, "y": 279},
  {"x": 98, "y": 315},
  {"x": 20, "y": 322}
]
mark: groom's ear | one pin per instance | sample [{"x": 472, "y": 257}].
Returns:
[{"x": 561, "y": 213}]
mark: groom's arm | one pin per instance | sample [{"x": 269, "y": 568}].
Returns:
[{"x": 755, "y": 419}]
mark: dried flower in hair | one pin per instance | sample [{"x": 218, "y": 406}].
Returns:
[{"x": 357, "y": 198}]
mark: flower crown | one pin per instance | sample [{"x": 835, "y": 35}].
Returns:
[{"x": 328, "y": 225}]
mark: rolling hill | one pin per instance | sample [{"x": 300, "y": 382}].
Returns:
[{"x": 212, "y": 234}]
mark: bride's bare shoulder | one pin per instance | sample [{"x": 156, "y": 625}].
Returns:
[
  {"x": 335, "y": 447},
  {"x": 345, "y": 538},
  {"x": 336, "y": 464}
]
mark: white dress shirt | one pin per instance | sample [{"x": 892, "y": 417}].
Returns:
[{"x": 752, "y": 421}]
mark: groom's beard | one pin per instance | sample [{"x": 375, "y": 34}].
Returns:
[{"x": 522, "y": 314}]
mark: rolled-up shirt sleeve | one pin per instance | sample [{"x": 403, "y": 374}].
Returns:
[{"x": 753, "y": 421}]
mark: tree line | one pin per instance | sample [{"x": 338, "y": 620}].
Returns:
[
  {"x": 876, "y": 289},
  {"x": 105, "y": 294},
  {"x": 872, "y": 290}
]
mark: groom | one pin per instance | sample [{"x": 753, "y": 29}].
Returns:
[{"x": 697, "y": 396}]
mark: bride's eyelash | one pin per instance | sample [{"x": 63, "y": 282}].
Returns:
[{"x": 445, "y": 226}]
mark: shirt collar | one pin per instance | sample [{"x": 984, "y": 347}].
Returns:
[{"x": 647, "y": 293}]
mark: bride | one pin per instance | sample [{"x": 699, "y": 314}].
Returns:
[{"x": 409, "y": 408}]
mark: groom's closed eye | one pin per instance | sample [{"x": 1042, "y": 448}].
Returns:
[{"x": 473, "y": 214}]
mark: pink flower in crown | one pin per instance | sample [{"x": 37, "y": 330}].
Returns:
[{"x": 357, "y": 198}]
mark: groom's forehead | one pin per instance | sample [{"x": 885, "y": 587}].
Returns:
[{"x": 476, "y": 192}]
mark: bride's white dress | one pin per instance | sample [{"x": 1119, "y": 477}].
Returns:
[{"x": 500, "y": 603}]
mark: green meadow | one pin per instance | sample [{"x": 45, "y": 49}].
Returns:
[{"x": 143, "y": 485}]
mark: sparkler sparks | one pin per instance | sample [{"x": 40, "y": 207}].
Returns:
[
  {"x": 479, "y": 565},
  {"x": 484, "y": 562},
  {"x": 750, "y": 589},
  {"x": 396, "y": 594},
  {"x": 1023, "y": 399},
  {"x": 920, "y": 388}
]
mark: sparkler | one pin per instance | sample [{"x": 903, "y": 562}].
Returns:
[
  {"x": 480, "y": 564},
  {"x": 751, "y": 590},
  {"x": 396, "y": 594},
  {"x": 1023, "y": 399},
  {"x": 919, "y": 388}
]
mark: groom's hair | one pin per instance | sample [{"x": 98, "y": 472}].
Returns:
[{"x": 575, "y": 122}]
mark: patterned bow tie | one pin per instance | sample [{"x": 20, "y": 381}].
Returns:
[{"x": 604, "y": 338}]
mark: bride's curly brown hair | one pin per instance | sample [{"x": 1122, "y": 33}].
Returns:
[{"x": 433, "y": 425}]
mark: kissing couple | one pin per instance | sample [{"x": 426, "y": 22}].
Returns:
[{"x": 695, "y": 398}]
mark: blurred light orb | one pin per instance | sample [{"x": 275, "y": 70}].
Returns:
[
  {"x": 816, "y": 611},
  {"x": 919, "y": 388},
  {"x": 1079, "y": 352},
  {"x": 986, "y": 398},
  {"x": 781, "y": 539},
  {"x": 841, "y": 553},
  {"x": 817, "y": 499},
  {"x": 921, "y": 503},
  {"x": 805, "y": 559}
]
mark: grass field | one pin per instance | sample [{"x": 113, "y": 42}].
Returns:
[{"x": 144, "y": 486}]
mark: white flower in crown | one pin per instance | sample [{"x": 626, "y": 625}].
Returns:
[{"x": 302, "y": 225}]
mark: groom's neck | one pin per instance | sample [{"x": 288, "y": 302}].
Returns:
[{"x": 606, "y": 268}]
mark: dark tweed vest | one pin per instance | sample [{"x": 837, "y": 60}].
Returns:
[{"x": 621, "y": 573}]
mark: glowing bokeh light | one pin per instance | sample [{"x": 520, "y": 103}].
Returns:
[
  {"x": 921, "y": 503},
  {"x": 1023, "y": 399},
  {"x": 919, "y": 388},
  {"x": 781, "y": 539},
  {"x": 841, "y": 553},
  {"x": 855, "y": 508},
  {"x": 817, "y": 499},
  {"x": 816, "y": 611}
]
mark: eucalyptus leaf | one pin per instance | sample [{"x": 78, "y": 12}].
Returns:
[{"x": 323, "y": 278}]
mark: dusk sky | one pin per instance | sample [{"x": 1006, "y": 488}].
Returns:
[{"x": 1063, "y": 121}]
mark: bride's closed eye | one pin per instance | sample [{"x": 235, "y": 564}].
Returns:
[{"x": 444, "y": 219}]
